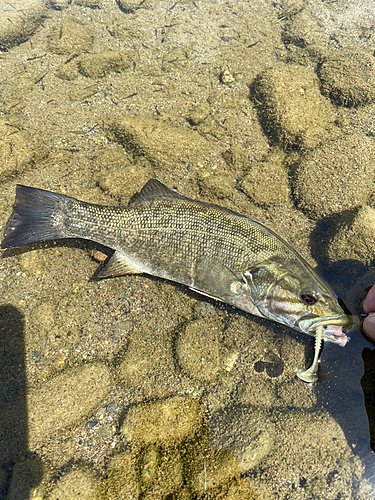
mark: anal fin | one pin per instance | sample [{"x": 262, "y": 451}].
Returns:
[{"x": 118, "y": 265}]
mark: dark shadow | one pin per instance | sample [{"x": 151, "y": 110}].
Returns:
[
  {"x": 346, "y": 386},
  {"x": 262, "y": 111},
  {"x": 368, "y": 387},
  {"x": 349, "y": 270},
  {"x": 13, "y": 408}
]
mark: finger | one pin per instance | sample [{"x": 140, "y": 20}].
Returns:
[
  {"x": 369, "y": 302},
  {"x": 369, "y": 326}
]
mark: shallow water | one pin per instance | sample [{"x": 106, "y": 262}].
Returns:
[{"x": 137, "y": 388}]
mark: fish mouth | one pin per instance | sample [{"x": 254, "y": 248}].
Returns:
[{"x": 332, "y": 328}]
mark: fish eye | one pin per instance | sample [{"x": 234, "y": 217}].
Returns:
[{"x": 309, "y": 297}]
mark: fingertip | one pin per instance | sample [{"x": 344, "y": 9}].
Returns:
[
  {"x": 369, "y": 326},
  {"x": 369, "y": 302}
]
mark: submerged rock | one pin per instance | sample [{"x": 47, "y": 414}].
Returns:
[
  {"x": 311, "y": 459},
  {"x": 130, "y": 6},
  {"x": 19, "y": 150},
  {"x": 108, "y": 61},
  {"x": 64, "y": 400},
  {"x": 354, "y": 236},
  {"x": 266, "y": 183},
  {"x": 291, "y": 108},
  {"x": 19, "y": 20},
  {"x": 118, "y": 176},
  {"x": 171, "y": 458},
  {"x": 348, "y": 77},
  {"x": 75, "y": 484},
  {"x": 26, "y": 478},
  {"x": 161, "y": 143},
  {"x": 70, "y": 38},
  {"x": 246, "y": 431},
  {"x": 166, "y": 423},
  {"x": 201, "y": 352},
  {"x": 144, "y": 375},
  {"x": 335, "y": 177}
]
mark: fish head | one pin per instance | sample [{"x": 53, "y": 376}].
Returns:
[{"x": 296, "y": 296}]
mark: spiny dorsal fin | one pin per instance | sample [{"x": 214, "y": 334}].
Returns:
[{"x": 153, "y": 190}]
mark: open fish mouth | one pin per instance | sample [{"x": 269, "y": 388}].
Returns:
[
  {"x": 333, "y": 333},
  {"x": 332, "y": 327}
]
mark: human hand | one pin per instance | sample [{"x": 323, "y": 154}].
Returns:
[{"x": 369, "y": 306}]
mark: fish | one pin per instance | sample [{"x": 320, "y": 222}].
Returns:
[{"x": 210, "y": 249}]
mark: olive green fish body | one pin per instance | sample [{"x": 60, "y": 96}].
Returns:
[
  {"x": 203, "y": 247},
  {"x": 210, "y": 249}
]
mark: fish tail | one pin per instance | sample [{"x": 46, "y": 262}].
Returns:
[{"x": 33, "y": 218}]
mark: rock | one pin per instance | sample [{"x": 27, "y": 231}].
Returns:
[
  {"x": 171, "y": 453},
  {"x": 26, "y": 478},
  {"x": 167, "y": 422},
  {"x": 246, "y": 431},
  {"x": 19, "y": 149},
  {"x": 200, "y": 350},
  {"x": 348, "y": 77},
  {"x": 302, "y": 29},
  {"x": 199, "y": 113},
  {"x": 221, "y": 477},
  {"x": 120, "y": 481},
  {"x": 108, "y": 61},
  {"x": 214, "y": 185},
  {"x": 129, "y": 6},
  {"x": 119, "y": 177},
  {"x": 64, "y": 400},
  {"x": 91, "y": 4},
  {"x": 70, "y": 38},
  {"x": 162, "y": 144},
  {"x": 336, "y": 176},
  {"x": 353, "y": 238},
  {"x": 291, "y": 109},
  {"x": 68, "y": 71},
  {"x": 75, "y": 484},
  {"x": 266, "y": 183},
  {"x": 310, "y": 458},
  {"x": 19, "y": 21},
  {"x": 59, "y": 4},
  {"x": 147, "y": 369}
]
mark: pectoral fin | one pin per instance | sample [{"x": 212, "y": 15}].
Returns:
[
  {"x": 215, "y": 279},
  {"x": 118, "y": 265}
]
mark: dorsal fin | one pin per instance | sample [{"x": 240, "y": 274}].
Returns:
[{"x": 153, "y": 190}]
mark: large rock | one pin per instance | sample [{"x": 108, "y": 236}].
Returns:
[
  {"x": 65, "y": 399},
  {"x": 348, "y": 77},
  {"x": 70, "y": 38},
  {"x": 311, "y": 459},
  {"x": 336, "y": 176},
  {"x": 19, "y": 150},
  {"x": 18, "y": 21},
  {"x": 353, "y": 238},
  {"x": 291, "y": 108},
  {"x": 161, "y": 143}
]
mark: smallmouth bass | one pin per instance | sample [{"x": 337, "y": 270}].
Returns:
[{"x": 210, "y": 249}]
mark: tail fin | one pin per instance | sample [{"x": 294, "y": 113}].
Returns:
[{"x": 32, "y": 217}]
